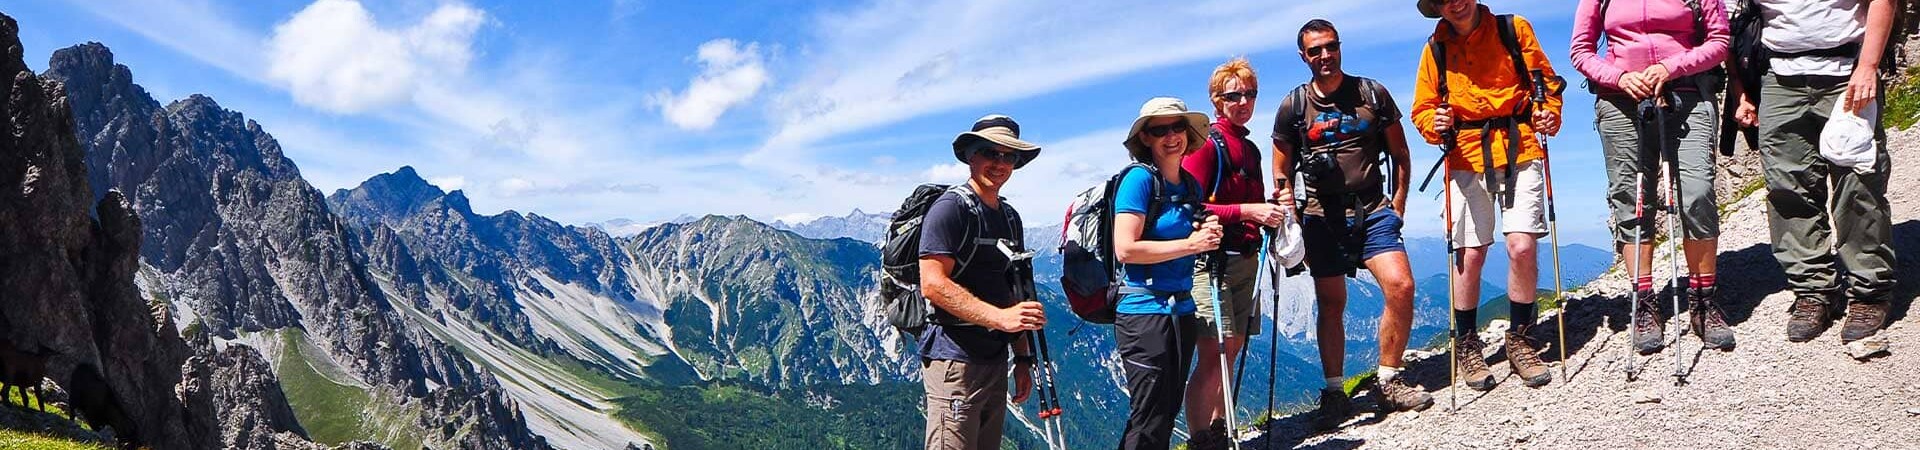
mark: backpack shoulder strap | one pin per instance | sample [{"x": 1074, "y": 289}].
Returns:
[
  {"x": 1220, "y": 155},
  {"x": 969, "y": 202},
  {"x": 1296, "y": 102},
  {"x": 1699, "y": 22},
  {"x": 1439, "y": 52},
  {"x": 1510, "y": 38}
]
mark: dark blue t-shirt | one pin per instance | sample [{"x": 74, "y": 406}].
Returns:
[{"x": 946, "y": 232}]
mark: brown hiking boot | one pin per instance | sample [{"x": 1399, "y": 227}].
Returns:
[
  {"x": 1469, "y": 357},
  {"x": 1213, "y": 438},
  {"x": 1708, "y": 322},
  {"x": 1524, "y": 354},
  {"x": 1398, "y": 395},
  {"x": 1812, "y": 314},
  {"x": 1649, "y": 333},
  {"x": 1335, "y": 408},
  {"x": 1865, "y": 316}
]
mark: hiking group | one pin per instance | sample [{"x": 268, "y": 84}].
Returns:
[{"x": 1170, "y": 249}]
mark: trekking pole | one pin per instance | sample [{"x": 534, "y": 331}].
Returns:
[
  {"x": 1672, "y": 183},
  {"x": 1042, "y": 372},
  {"x": 1553, "y": 221},
  {"x": 1649, "y": 109},
  {"x": 1053, "y": 390},
  {"x": 1448, "y": 142},
  {"x": 1273, "y": 337},
  {"x": 1040, "y": 381},
  {"x": 1214, "y": 267}
]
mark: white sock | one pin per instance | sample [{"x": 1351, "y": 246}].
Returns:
[
  {"x": 1387, "y": 373},
  {"x": 1336, "y": 383}
]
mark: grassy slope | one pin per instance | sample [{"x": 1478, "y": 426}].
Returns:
[
  {"x": 10, "y": 439},
  {"x": 335, "y": 413}
]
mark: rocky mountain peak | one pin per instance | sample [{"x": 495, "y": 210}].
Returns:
[{"x": 399, "y": 194}]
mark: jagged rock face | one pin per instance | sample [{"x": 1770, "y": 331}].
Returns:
[
  {"x": 747, "y": 301},
  {"x": 245, "y": 244},
  {"x": 68, "y": 279},
  {"x": 431, "y": 241},
  {"x": 253, "y": 410}
]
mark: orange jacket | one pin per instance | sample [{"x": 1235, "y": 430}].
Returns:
[{"x": 1482, "y": 86}]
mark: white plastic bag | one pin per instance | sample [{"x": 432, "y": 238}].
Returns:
[
  {"x": 1847, "y": 139},
  {"x": 1288, "y": 248}
]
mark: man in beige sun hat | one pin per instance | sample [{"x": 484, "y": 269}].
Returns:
[{"x": 978, "y": 316}]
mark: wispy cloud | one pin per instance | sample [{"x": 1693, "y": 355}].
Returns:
[
  {"x": 730, "y": 74},
  {"x": 895, "y": 60},
  {"x": 191, "y": 27}
]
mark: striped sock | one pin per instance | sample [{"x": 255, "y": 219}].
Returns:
[
  {"x": 1643, "y": 283},
  {"x": 1700, "y": 280}
]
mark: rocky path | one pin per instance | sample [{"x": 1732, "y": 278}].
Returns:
[{"x": 1766, "y": 393}]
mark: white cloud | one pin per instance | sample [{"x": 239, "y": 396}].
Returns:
[
  {"x": 730, "y": 73},
  {"x": 796, "y": 218},
  {"x": 332, "y": 55},
  {"x": 453, "y": 183},
  {"x": 947, "y": 173}
]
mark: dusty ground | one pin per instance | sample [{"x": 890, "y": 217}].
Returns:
[{"x": 1766, "y": 393}]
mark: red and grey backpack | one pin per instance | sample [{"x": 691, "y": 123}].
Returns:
[{"x": 1090, "y": 274}]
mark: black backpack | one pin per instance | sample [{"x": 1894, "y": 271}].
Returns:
[{"x": 901, "y": 301}]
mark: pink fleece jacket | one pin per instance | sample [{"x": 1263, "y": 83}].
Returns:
[{"x": 1641, "y": 33}]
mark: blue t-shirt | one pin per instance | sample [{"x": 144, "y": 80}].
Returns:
[
  {"x": 1174, "y": 221},
  {"x": 944, "y": 232}
]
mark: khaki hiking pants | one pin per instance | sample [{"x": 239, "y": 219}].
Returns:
[
  {"x": 966, "y": 404},
  {"x": 1825, "y": 220}
]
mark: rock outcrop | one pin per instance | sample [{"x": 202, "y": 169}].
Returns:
[{"x": 67, "y": 277}]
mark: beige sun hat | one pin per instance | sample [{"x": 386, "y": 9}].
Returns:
[
  {"x": 998, "y": 129},
  {"x": 1167, "y": 107}
]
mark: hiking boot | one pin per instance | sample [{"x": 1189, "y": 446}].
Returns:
[
  {"x": 1400, "y": 395},
  {"x": 1649, "y": 333},
  {"x": 1334, "y": 410},
  {"x": 1213, "y": 438},
  {"x": 1524, "y": 354},
  {"x": 1708, "y": 322},
  {"x": 1468, "y": 356},
  {"x": 1865, "y": 316},
  {"x": 1812, "y": 314}
]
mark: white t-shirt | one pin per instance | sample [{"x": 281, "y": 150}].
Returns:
[{"x": 1806, "y": 25}]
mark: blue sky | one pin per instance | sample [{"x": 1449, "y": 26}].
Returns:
[{"x": 585, "y": 111}]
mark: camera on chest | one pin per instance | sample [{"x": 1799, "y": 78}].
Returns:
[{"x": 1321, "y": 170}]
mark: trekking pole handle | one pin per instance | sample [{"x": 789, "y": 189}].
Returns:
[{"x": 1539, "y": 86}]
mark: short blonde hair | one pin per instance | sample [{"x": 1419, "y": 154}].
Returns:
[{"x": 1238, "y": 67}]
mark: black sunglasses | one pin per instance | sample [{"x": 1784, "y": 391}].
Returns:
[
  {"x": 1160, "y": 131},
  {"x": 992, "y": 155},
  {"x": 1330, "y": 47},
  {"x": 1234, "y": 97}
]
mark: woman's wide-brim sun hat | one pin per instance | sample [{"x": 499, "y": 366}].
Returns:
[
  {"x": 1000, "y": 130},
  {"x": 1167, "y": 107}
]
